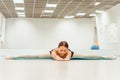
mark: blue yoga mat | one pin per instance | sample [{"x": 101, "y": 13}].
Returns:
[{"x": 49, "y": 58}]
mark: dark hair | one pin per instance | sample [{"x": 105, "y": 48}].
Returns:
[{"x": 63, "y": 43}]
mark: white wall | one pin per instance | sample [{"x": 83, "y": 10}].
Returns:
[
  {"x": 28, "y": 33},
  {"x": 108, "y": 25}
]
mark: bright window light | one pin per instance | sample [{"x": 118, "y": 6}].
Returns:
[
  {"x": 20, "y": 13},
  {"x": 18, "y": 1},
  {"x": 92, "y": 15},
  {"x": 19, "y": 8},
  {"x": 69, "y": 16},
  {"x": 48, "y": 11},
  {"x": 98, "y": 11},
  {"x": 51, "y": 5},
  {"x": 97, "y": 3},
  {"x": 80, "y": 14},
  {"x": 46, "y": 15}
]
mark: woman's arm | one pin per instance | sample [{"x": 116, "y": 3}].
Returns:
[
  {"x": 55, "y": 56},
  {"x": 67, "y": 58}
]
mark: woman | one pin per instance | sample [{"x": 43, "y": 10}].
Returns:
[{"x": 62, "y": 52}]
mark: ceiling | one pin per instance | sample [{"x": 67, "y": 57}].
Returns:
[{"x": 34, "y": 8}]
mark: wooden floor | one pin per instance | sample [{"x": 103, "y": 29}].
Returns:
[{"x": 60, "y": 70}]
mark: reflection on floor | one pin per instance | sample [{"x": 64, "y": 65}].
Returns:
[{"x": 60, "y": 70}]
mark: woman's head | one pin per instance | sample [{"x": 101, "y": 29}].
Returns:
[
  {"x": 63, "y": 48},
  {"x": 63, "y": 43}
]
